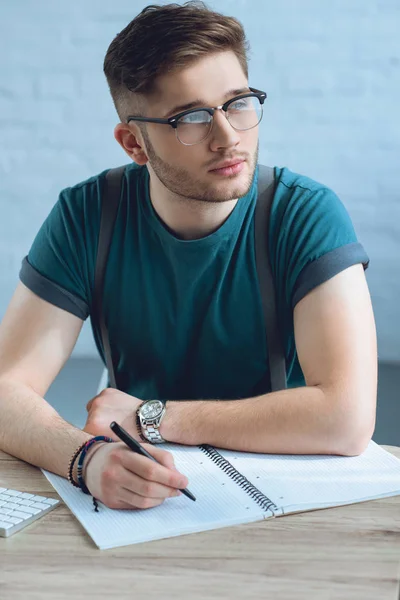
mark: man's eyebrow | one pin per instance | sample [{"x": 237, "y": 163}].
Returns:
[{"x": 199, "y": 102}]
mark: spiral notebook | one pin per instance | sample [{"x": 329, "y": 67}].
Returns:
[{"x": 238, "y": 487}]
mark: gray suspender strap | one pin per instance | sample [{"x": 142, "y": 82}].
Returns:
[
  {"x": 266, "y": 189},
  {"x": 109, "y": 208}
]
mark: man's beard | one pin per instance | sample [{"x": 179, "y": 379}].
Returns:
[{"x": 186, "y": 188}]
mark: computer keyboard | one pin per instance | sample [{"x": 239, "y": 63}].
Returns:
[{"x": 19, "y": 509}]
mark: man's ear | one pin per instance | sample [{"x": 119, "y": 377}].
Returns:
[{"x": 130, "y": 139}]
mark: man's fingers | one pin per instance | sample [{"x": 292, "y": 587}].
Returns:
[
  {"x": 152, "y": 471},
  {"x": 134, "y": 484},
  {"x": 162, "y": 456},
  {"x": 132, "y": 501}
]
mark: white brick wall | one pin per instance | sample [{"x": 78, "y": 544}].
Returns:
[{"x": 332, "y": 73}]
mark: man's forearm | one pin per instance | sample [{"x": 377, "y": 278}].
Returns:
[
  {"x": 293, "y": 421},
  {"x": 32, "y": 430}
]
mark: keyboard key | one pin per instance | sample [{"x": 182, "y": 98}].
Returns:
[
  {"x": 12, "y": 505},
  {"x": 33, "y": 511},
  {"x": 12, "y": 520},
  {"x": 27, "y": 510},
  {"x": 20, "y": 515},
  {"x": 40, "y": 505},
  {"x": 4, "y": 497},
  {"x": 5, "y": 525},
  {"x": 26, "y": 503},
  {"x": 13, "y": 493},
  {"x": 2, "y": 490},
  {"x": 5, "y": 511},
  {"x": 26, "y": 496},
  {"x": 21, "y": 501},
  {"x": 51, "y": 501},
  {"x": 37, "y": 499}
]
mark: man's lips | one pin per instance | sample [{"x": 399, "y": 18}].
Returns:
[{"x": 227, "y": 164}]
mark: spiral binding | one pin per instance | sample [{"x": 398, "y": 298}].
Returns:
[{"x": 261, "y": 499}]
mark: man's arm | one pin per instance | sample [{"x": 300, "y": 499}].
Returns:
[
  {"x": 36, "y": 339},
  {"x": 334, "y": 414}
]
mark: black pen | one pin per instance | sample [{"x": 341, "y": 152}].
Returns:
[{"x": 136, "y": 447}]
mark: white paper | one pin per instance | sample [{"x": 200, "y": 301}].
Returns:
[{"x": 306, "y": 482}]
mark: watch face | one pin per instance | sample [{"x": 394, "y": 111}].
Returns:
[{"x": 152, "y": 409}]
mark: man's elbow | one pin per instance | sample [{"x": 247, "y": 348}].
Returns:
[
  {"x": 355, "y": 448},
  {"x": 353, "y": 427},
  {"x": 354, "y": 439}
]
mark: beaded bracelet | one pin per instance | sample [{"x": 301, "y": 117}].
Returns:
[
  {"x": 71, "y": 465},
  {"x": 86, "y": 446}
]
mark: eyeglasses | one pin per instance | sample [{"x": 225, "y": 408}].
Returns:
[{"x": 193, "y": 126}]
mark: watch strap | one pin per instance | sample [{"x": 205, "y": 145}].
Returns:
[
  {"x": 139, "y": 427},
  {"x": 151, "y": 431},
  {"x": 154, "y": 435}
]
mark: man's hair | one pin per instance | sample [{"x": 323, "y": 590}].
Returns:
[{"x": 162, "y": 39}]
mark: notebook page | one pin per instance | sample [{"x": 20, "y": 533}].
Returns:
[
  {"x": 305, "y": 482},
  {"x": 219, "y": 503}
]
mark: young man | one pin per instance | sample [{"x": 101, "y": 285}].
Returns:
[{"x": 181, "y": 297}]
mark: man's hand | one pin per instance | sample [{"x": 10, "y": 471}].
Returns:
[
  {"x": 112, "y": 405},
  {"x": 122, "y": 479}
]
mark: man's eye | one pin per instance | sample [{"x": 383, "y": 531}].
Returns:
[
  {"x": 239, "y": 104},
  {"x": 200, "y": 116}
]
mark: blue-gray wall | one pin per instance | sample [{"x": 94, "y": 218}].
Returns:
[{"x": 332, "y": 72}]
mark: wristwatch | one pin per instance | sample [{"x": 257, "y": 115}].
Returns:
[{"x": 150, "y": 415}]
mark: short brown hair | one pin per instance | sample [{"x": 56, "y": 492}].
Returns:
[{"x": 161, "y": 39}]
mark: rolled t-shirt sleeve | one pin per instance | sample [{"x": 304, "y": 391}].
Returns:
[
  {"x": 317, "y": 241},
  {"x": 60, "y": 264}
]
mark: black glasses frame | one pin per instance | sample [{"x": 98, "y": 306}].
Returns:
[{"x": 173, "y": 121}]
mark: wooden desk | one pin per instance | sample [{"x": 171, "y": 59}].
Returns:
[{"x": 350, "y": 552}]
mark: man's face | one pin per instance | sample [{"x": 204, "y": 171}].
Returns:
[{"x": 185, "y": 170}]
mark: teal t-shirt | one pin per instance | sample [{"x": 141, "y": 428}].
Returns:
[{"x": 185, "y": 317}]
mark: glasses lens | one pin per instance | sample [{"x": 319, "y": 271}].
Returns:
[
  {"x": 245, "y": 113},
  {"x": 242, "y": 114},
  {"x": 194, "y": 127}
]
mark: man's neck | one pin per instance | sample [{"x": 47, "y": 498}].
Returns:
[{"x": 190, "y": 219}]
